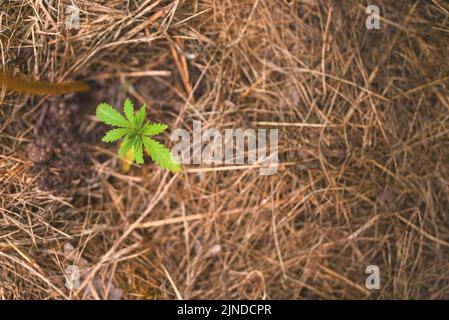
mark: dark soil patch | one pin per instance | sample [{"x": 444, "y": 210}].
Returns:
[{"x": 58, "y": 156}]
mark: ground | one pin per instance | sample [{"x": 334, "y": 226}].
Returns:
[{"x": 363, "y": 120}]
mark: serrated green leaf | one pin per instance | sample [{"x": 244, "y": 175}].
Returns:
[
  {"x": 114, "y": 134},
  {"x": 140, "y": 116},
  {"x": 151, "y": 129},
  {"x": 138, "y": 150},
  {"x": 110, "y": 116},
  {"x": 125, "y": 146},
  {"x": 161, "y": 155},
  {"x": 128, "y": 109}
]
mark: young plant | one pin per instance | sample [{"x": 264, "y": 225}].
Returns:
[{"x": 136, "y": 134}]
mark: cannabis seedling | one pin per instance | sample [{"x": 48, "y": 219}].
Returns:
[{"x": 136, "y": 135}]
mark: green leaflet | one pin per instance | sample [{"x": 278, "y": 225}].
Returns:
[
  {"x": 140, "y": 116},
  {"x": 114, "y": 134},
  {"x": 110, "y": 116},
  {"x": 161, "y": 155},
  {"x": 154, "y": 129},
  {"x": 128, "y": 109},
  {"x": 138, "y": 150}
]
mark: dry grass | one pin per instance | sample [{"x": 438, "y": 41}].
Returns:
[{"x": 364, "y": 128}]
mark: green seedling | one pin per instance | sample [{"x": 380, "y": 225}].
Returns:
[{"x": 135, "y": 134}]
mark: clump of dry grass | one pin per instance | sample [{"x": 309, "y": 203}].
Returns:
[{"x": 363, "y": 136}]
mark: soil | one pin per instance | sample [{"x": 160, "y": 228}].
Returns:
[{"x": 57, "y": 153}]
